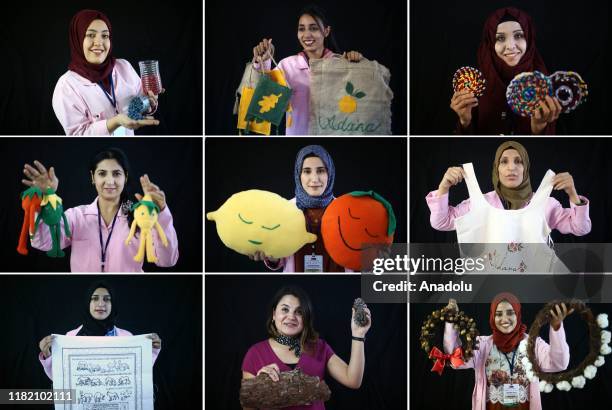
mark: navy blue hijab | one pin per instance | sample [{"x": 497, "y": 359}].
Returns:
[{"x": 302, "y": 199}]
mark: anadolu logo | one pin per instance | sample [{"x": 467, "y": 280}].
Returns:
[{"x": 348, "y": 103}]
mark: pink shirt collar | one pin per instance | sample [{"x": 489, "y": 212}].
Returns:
[{"x": 92, "y": 209}]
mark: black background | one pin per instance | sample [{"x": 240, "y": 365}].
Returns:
[
  {"x": 586, "y": 159},
  {"x": 174, "y": 164},
  {"x": 35, "y": 306},
  {"x": 35, "y": 53},
  {"x": 237, "y": 309},
  {"x": 570, "y": 36},
  {"x": 376, "y": 29},
  {"x": 453, "y": 390},
  {"x": 267, "y": 163}
]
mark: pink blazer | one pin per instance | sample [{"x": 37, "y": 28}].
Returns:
[
  {"x": 47, "y": 364},
  {"x": 82, "y": 106}
]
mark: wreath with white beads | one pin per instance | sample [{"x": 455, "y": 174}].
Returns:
[
  {"x": 599, "y": 340},
  {"x": 463, "y": 324}
]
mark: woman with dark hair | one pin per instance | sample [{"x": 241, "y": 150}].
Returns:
[
  {"x": 314, "y": 174},
  {"x": 498, "y": 360},
  {"x": 512, "y": 191},
  {"x": 91, "y": 97},
  {"x": 100, "y": 228},
  {"x": 293, "y": 342},
  {"x": 507, "y": 48},
  {"x": 317, "y": 41},
  {"x": 98, "y": 320}
]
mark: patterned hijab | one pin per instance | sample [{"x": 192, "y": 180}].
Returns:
[
  {"x": 506, "y": 343},
  {"x": 303, "y": 200},
  {"x": 78, "y": 63},
  {"x": 512, "y": 198}
]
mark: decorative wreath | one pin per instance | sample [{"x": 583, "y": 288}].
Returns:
[
  {"x": 599, "y": 346},
  {"x": 467, "y": 332}
]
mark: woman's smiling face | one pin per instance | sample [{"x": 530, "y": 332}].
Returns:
[
  {"x": 310, "y": 35},
  {"x": 96, "y": 44},
  {"x": 510, "y": 42}
]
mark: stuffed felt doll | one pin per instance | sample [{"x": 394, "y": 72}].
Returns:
[
  {"x": 255, "y": 220},
  {"x": 354, "y": 221},
  {"x": 30, "y": 202},
  {"x": 51, "y": 213},
  {"x": 145, "y": 217}
]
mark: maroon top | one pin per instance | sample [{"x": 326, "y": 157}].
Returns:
[
  {"x": 488, "y": 115},
  {"x": 78, "y": 28},
  {"x": 312, "y": 364}
]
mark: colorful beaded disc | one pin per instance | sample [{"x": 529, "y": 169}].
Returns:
[
  {"x": 469, "y": 78},
  {"x": 569, "y": 88},
  {"x": 526, "y": 90}
]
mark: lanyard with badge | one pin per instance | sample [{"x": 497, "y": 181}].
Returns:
[
  {"x": 110, "y": 97},
  {"x": 511, "y": 390},
  {"x": 313, "y": 262},
  {"x": 104, "y": 246}
]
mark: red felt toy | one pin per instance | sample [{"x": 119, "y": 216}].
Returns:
[
  {"x": 353, "y": 221},
  {"x": 30, "y": 202}
]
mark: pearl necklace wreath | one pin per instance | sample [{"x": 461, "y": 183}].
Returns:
[{"x": 599, "y": 346}]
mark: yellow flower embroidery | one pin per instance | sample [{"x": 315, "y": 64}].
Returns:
[{"x": 268, "y": 102}]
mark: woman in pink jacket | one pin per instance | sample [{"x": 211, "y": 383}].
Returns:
[
  {"x": 98, "y": 320},
  {"x": 501, "y": 380},
  {"x": 316, "y": 38},
  {"x": 512, "y": 190},
  {"x": 98, "y": 230},
  {"x": 91, "y": 97}
]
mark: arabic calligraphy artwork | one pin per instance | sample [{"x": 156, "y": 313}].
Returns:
[{"x": 108, "y": 373}]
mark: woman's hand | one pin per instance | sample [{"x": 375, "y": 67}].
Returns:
[
  {"x": 45, "y": 345},
  {"x": 156, "y": 340},
  {"x": 122, "y": 120},
  {"x": 357, "y": 330},
  {"x": 259, "y": 256},
  {"x": 39, "y": 177},
  {"x": 557, "y": 318},
  {"x": 452, "y": 177},
  {"x": 263, "y": 51},
  {"x": 157, "y": 195},
  {"x": 353, "y": 56},
  {"x": 548, "y": 111},
  {"x": 462, "y": 103},
  {"x": 153, "y": 101},
  {"x": 565, "y": 181},
  {"x": 271, "y": 370}
]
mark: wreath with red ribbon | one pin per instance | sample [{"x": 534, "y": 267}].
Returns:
[{"x": 466, "y": 330}]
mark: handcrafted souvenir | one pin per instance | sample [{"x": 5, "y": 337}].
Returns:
[
  {"x": 255, "y": 220},
  {"x": 569, "y": 88},
  {"x": 466, "y": 331},
  {"x": 352, "y": 223},
  {"x": 526, "y": 90},
  {"x": 30, "y": 203},
  {"x": 470, "y": 79},
  {"x": 599, "y": 345},
  {"x": 51, "y": 213},
  {"x": 293, "y": 388},
  {"x": 145, "y": 218}
]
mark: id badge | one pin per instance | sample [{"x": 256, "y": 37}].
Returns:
[
  {"x": 313, "y": 263},
  {"x": 511, "y": 394}
]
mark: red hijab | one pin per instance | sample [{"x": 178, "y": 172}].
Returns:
[
  {"x": 498, "y": 74},
  {"x": 507, "y": 342},
  {"x": 78, "y": 27}
]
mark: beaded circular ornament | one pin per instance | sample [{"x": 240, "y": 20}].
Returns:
[
  {"x": 569, "y": 88},
  {"x": 469, "y": 78},
  {"x": 526, "y": 90}
]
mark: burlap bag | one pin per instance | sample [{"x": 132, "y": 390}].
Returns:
[{"x": 349, "y": 98}]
